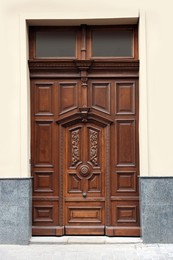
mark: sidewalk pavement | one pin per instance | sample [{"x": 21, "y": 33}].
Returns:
[{"x": 87, "y": 248}]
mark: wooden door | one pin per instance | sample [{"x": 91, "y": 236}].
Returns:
[
  {"x": 84, "y": 142},
  {"x": 85, "y": 159},
  {"x": 84, "y": 178}
]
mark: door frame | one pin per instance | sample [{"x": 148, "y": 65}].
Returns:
[{"x": 25, "y": 20}]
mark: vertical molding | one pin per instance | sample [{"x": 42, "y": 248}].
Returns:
[
  {"x": 108, "y": 192},
  {"x": 24, "y": 101},
  {"x": 143, "y": 99},
  {"x": 61, "y": 179},
  {"x": 83, "y": 47}
]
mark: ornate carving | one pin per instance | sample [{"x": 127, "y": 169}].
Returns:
[
  {"x": 84, "y": 82},
  {"x": 84, "y": 171},
  {"x": 84, "y": 113},
  {"x": 75, "y": 146},
  {"x": 83, "y": 64},
  {"x": 93, "y": 147},
  {"x": 84, "y": 78}
]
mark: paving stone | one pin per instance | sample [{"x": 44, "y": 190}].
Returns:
[{"x": 87, "y": 252}]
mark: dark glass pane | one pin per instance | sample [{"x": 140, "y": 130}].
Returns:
[
  {"x": 110, "y": 43},
  {"x": 55, "y": 44}
]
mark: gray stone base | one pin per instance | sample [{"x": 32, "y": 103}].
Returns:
[
  {"x": 156, "y": 208},
  {"x": 15, "y": 210}
]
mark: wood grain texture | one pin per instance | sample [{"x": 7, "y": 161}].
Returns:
[{"x": 85, "y": 143}]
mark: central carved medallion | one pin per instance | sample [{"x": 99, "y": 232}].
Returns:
[{"x": 84, "y": 170}]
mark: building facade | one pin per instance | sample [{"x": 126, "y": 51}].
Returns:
[{"x": 151, "y": 67}]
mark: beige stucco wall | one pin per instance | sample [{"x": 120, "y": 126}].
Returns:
[{"x": 156, "y": 90}]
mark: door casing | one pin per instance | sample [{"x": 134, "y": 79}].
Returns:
[{"x": 95, "y": 94}]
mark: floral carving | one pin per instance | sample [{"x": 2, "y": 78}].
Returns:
[
  {"x": 93, "y": 147},
  {"x": 75, "y": 146}
]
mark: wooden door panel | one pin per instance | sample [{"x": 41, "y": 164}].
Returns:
[
  {"x": 82, "y": 213},
  {"x": 125, "y": 213},
  {"x": 126, "y": 143},
  {"x": 100, "y": 95},
  {"x": 84, "y": 160},
  {"x": 125, "y": 182},
  {"x": 94, "y": 142},
  {"x": 43, "y": 145},
  {"x": 125, "y": 97},
  {"x": 45, "y": 212},
  {"x": 74, "y": 136},
  {"x": 94, "y": 183},
  {"x": 44, "y": 159},
  {"x": 84, "y": 177},
  {"x": 67, "y": 96},
  {"x": 43, "y": 181},
  {"x": 44, "y": 104}
]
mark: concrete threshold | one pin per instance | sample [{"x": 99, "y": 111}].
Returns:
[{"x": 85, "y": 240}]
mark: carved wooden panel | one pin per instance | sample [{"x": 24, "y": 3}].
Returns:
[
  {"x": 84, "y": 214},
  {"x": 84, "y": 172},
  {"x": 125, "y": 97},
  {"x": 124, "y": 182},
  {"x": 94, "y": 144},
  {"x": 125, "y": 213},
  {"x": 94, "y": 183},
  {"x": 75, "y": 146},
  {"x": 45, "y": 213},
  {"x": 100, "y": 96},
  {"x": 74, "y": 183},
  {"x": 126, "y": 143},
  {"x": 43, "y": 144},
  {"x": 44, "y": 98},
  {"x": 43, "y": 181},
  {"x": 68, "y": 96}
]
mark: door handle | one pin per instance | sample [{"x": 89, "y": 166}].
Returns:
[{"x": 84, "y": 194}]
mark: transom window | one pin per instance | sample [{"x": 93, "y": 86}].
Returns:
[{"x": 83, "y": 42}]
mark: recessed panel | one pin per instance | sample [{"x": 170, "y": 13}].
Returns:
[
  {"x": 43, "y": 144},
  {"x": 126, "y": 182},
  {"x": 100, "y": 97},
  {"x": 45, "y": 213},
  {"x": 68, "y": 99},
  {"x": 126, "y": 146},
  {"x": 125, "y": 98},
  {"x": 74, "y": 184},
  {"x": 84, "y": 214},
  {"x": 43, "y": 181},
  {"x": 125, "y": 213},
  {"x": 94, "y": 183},
  {"x": 44, "y": 99}
]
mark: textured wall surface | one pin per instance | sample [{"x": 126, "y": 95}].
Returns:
[
  {"x": 157, "y": 209},
  {"x": 158, "y": 56},
  {"x": 15, "y": 211}
]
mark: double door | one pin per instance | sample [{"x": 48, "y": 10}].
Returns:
[{"x": 85, "y": 155}]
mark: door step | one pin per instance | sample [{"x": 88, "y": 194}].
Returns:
[{"x": 85, "y": 240}]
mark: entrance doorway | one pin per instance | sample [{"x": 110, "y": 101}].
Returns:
[{"x": 84, "y": 136}]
